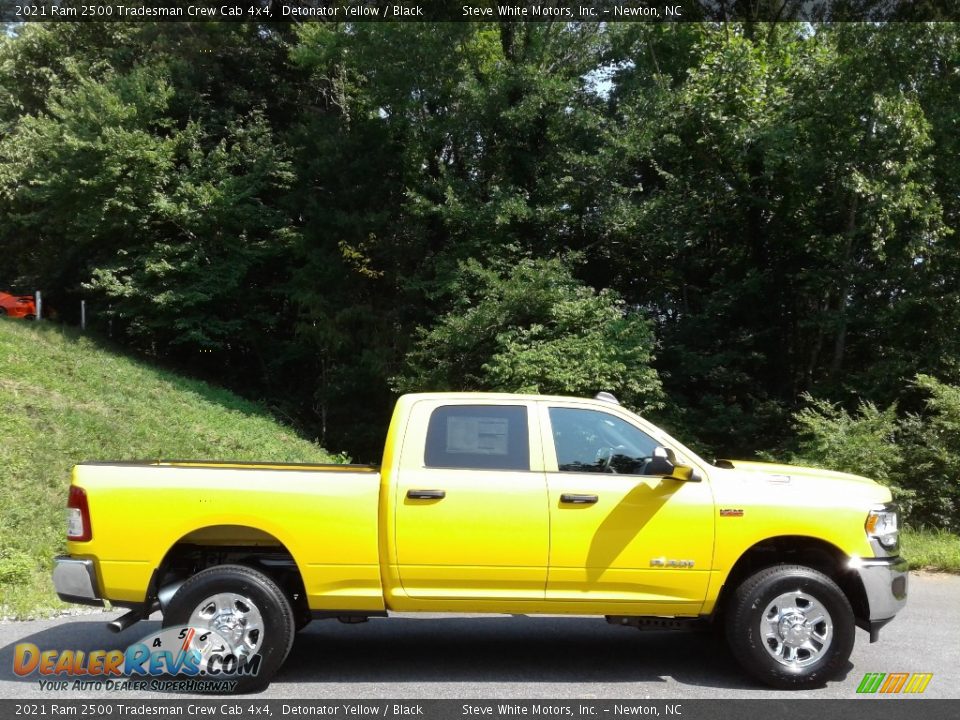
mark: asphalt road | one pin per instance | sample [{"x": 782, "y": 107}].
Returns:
[{"x": 421, "y": 656}]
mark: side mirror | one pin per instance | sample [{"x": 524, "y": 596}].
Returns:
[
  {"x": 684, "y": 473},
  {"x": 665, "y": 452},
  {"x": 661, "y": 462}
]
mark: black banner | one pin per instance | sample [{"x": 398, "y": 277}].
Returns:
[
  {"x": 248, "y": 707},
  {"x": 480, "y": 10}
]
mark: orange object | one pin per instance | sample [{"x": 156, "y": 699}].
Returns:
[{"x": 18, "y": 306}]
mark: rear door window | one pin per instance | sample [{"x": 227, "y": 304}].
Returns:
[{"x": 482, "y": 437}]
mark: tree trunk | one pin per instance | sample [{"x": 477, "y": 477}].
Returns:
[{"x": 846, "y": 281}]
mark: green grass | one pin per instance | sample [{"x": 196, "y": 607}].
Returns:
[
  {"x": 931, "y": 550},
  {"x": 64, "y": 399}
]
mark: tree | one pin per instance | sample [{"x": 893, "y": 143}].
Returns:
[
  {"x": 916, "y": 454},
  {"x": 424, "y": 146},
  {"x": 290, "y": 207},
  {"x": 774, "y": 207},
  {"x": 535, "y": 329}
]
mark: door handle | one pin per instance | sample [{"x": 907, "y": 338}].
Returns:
[
  {"x": 426, "y": 494},
  {"x": 574, "y": 499}
]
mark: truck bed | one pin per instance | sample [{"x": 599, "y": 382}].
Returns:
[
  {"x": 241, "y": 465},
  {"x": 324, "y": 515}
]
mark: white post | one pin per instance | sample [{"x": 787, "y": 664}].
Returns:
[
  {"x": 38, "y": 300},
  {"x": 83, "y": 314}
]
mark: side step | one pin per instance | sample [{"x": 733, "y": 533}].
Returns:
[{"x": 642, "y": 622}]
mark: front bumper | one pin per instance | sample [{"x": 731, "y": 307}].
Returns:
[
  {"x": 75, "y": 580},
  {"x": 885, "y": 583}
]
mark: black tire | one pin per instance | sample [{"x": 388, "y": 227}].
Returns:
[
  {"x": 3, "y": 311},
  {"x": 779, "y": 599},
  {"x": 256, "y": 589}
]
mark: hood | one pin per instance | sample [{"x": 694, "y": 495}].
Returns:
[{"x": 776, "y": 471}]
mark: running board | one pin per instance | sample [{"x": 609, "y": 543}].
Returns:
[{"x": 642, "y": 622}]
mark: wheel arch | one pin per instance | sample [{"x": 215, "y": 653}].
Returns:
[
  {"x": 803, "y": 550},
  {"x": 227, "y": 544}
]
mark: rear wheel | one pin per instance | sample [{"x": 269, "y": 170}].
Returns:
[
  {"x": 791, "y": 627},
  {"x": 245, "y": 607}
]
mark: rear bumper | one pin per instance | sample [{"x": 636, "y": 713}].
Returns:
[
  {"x": 885, "y": 583},
  {"x": 75, "y": 580}
]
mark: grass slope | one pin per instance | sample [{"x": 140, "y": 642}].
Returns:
[{"x": 65, "y": 399}]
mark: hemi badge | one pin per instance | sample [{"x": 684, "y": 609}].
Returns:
[{"x": 731, "y": 512}]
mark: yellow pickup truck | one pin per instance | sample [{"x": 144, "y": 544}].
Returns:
[{"x": 497, "y": 503}]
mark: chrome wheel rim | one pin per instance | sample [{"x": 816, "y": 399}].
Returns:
[
  {"x": 796, "y": 629},
  {"x": 234, "y": 617}
]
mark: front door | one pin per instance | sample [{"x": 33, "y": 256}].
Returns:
[
  {"x": 471, "y": 509},
  {"x": 617, "y": 534}
]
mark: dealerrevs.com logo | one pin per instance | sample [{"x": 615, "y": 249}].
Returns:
[
  {"x": 893, "y": 683},
  {"x": 183, "y": 659}
]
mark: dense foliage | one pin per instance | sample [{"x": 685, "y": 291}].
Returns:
[
  {"x": 537, "y": 331},
  {"x": 713, "y": 219},
  {"x": 917, "y": 454}
]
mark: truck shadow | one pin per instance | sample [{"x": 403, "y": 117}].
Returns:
[
  {"x": 574, "y": 652},
  {"x": 519, "y": 649}
]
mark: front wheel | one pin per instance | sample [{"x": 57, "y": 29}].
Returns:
[
  {"x": 791, "y": 627},
  {"x": 247, "y": 609}
]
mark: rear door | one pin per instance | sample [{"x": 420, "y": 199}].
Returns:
[{"x": 471, "y": 507}]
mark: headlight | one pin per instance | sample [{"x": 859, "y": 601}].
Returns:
[{"x": 883, "y": 524}]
